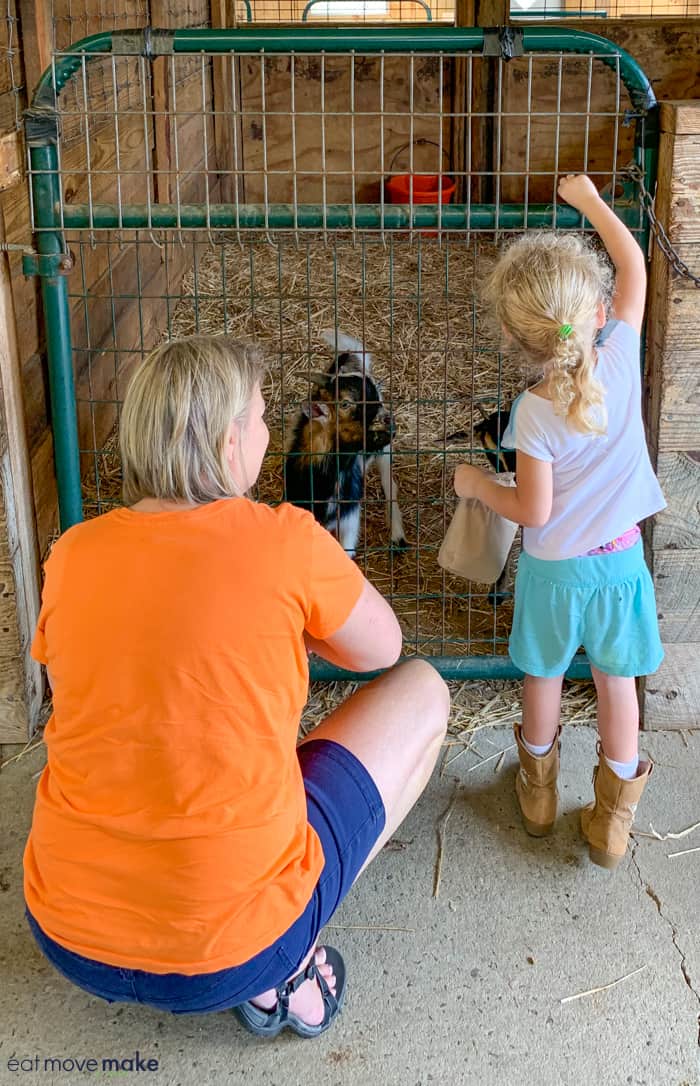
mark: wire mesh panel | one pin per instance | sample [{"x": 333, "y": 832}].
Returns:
[
  {"x": 255, "y": 196},
  {"x": 612, "y": 9},
  {"x": 12, "y": 90}
]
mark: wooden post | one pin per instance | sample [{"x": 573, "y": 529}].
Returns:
[
  {"x": 21, "y": 681},
  {"x": 225, "y": 69},
  {"x": 671, "y": 697},
  {"x": 37, "y": 40},
  {"x": 475, "y": 141},
  {"x": 162, "y": 124}
]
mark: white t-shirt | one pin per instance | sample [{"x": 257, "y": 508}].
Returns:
[{"x": 602, "y": 485}]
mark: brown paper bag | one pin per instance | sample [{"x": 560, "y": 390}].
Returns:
[{"x": 478, "y": 541}]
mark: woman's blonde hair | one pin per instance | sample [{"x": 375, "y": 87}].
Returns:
[
  {"x": 541, "y": 284},
  {"x": 176, "y": 415}
]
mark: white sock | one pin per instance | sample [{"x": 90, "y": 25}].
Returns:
[
  {"x": 534, "y": 748},
  {"x": 627, "y": 771}
]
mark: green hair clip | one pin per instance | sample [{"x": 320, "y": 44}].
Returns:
[{"x": 565, "y": 331}]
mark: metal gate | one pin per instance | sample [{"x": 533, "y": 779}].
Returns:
[{"x": 236, "y": 180}]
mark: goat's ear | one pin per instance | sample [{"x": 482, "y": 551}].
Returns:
[
  {"x": 319, "y": 379},
  {"x": 355, "y": 364},
  {"x": 340, "y": 342}
]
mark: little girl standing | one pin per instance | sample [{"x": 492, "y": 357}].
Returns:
[{"x": 584, "y": 481}]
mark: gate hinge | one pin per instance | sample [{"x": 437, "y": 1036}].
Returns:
[
  {"x": 47, "y": 264},
  {"x": 505, "y": 42}
]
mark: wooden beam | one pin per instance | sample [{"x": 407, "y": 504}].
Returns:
[
  {"x": 671, "y": 697},
  {"x": 225, "y": 69},
  {"x": 37, "y": 40},
  {"x": 681, "y": 118},
  {"x": 492, "y": 12},
  {"x": 675, "y": 572},
  {"x": 20, "y": 540}
]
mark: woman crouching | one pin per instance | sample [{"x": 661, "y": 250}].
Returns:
[{"x": 184, "y": 852}]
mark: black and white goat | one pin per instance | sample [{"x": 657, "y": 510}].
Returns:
[
  {"x": 489, "y": 432},
  {"x": 343, "y": 429}
]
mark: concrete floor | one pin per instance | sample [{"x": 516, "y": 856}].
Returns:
[{"x": 463, "y": 989}]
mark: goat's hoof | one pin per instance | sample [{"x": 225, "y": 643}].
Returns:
[{"x": 400, "y": 545}]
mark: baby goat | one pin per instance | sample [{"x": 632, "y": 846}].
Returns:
[
  {"x": 342, "y": 431},
  {"x": 489, "y": 433}
]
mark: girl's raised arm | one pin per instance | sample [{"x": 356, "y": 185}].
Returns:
[{"x": 630, "y": 266}]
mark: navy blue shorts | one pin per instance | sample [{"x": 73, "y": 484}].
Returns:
[{"x": 346, "y": 810}]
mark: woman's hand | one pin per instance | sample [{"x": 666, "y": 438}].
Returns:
[
  {"x": 578, "y": 190},
  {"x": 468, "y": 481}
]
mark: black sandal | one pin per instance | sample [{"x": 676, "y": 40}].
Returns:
[{"x": 270, "y": 1023}]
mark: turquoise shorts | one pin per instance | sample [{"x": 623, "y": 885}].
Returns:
[{"x": 604, "y": 602}]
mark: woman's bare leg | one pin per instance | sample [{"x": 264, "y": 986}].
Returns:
[{"x": 395, "y": 726}]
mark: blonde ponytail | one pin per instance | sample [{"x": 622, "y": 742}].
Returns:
[{"x": 545, "y": 291}]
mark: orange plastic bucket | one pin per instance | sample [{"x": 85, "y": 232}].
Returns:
[{"x": 420, "y": 188}]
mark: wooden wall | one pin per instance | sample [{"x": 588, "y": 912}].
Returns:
[{"x": 671, "y": 697}]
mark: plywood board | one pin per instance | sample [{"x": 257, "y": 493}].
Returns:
[{"x": 342, "y": 138}]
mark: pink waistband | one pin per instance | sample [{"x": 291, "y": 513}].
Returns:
[{"x": 621, "y": 543}]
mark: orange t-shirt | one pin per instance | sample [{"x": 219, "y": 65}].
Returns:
[{"x": 170, "y": 830}]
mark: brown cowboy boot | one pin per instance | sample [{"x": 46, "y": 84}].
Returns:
[
  {"x": 536, "y": 786},
  {"x": 607, "y": 822}
]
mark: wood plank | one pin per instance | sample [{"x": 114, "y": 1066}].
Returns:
[
  {"x": 18, "y": 496},
  {"x": 667, "y": 51},
  {"x": 683, "y": 316},
  {"x": 14, "y": 726},
  {"x": 677, "y": 584},
  {"x": 678, "y": 526},
  {"x": 358, "y": 152},
  {"x": 10, "y": 160},
  {"x": 683, "y": 215},
  {"x": 679, "y": 415},
  {"x": 492, "y": 12},
  {"x": 46, "y": 499},
  {"x": 162, "y": 125},
  {"x": 14, "y": 216},
  {"x": 223, "y": 76},
  {"x": 671, "y": 697},
  {"x": 37, "y": 38},
  {"x": 681, "y": 118}
]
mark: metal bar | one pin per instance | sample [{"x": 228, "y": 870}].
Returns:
[
  {"x": 54, "y": 291},
  {"x": 333, "y": 216},
  {"x": 400, "y": 39},
  {"x": 460, "y": 668}
]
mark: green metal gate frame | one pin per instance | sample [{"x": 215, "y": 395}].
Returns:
[{"x": 51, "y": 261}]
